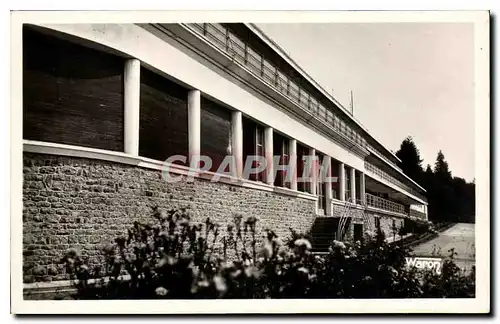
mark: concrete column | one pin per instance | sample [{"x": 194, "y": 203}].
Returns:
[
  {"x": 237, "y": 142},
  {"x": 293, "y": 162},
  {"x": 268, "y": 147},
  {"x": 362, "y": 188},
  {"x": 194, "y": 125},
  {"x": 131, "y": 105},
  {"x": 327, "y": 162},
  {"x": 353, "y": 185},
  {"x": 313, "y": 168},
  {"x": 341, "y": 181}
]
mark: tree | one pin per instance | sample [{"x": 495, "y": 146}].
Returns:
[
  {"x": 441, "y": 168},
  {"x": 411, "y": 163}
]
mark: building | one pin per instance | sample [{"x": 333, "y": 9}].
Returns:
[{"x": 104, "y": 105}]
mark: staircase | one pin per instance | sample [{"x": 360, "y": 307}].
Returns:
[{"x": 327, "y": 229}]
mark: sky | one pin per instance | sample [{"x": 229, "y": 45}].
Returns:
[{"x": 407, "y": 79}]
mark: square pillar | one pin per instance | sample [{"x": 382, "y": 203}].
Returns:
[
  {"x": 269, "y": 152},
  {"x": 131, "y": 105},
  {"x": 313, "y": 171},
  {"x": 237, "y": 142},
  {"x": 194, "y": 126},
  {"x": 353, "y": 185},
  {"x": 362, "y": 188},
  {"x": 341, "y": 181},
  {"x": 293, "y": 162},
  {"x": 327, "y": 173}
]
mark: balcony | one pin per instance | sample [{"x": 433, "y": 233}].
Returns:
[
  {"x": 417, "y": 214},
  {"x": 223, "y": 39},
  {"x": 384, "y": 175},
  {"x": 384, "y": 204}
]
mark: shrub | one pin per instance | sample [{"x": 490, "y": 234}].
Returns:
[{"x": 177, "y": 259}]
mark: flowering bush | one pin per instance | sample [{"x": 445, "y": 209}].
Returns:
[{"x": 177, "y": 259}]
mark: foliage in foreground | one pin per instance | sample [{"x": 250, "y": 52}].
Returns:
[{"x": 176, "y": 259}]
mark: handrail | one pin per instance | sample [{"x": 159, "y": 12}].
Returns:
[
  {"x": 386, "y": 176},
  {"x": 273, "y": 73},
  {"x": 384, "y": 204}
]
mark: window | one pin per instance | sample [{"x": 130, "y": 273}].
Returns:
[
  {"x": 163, "y": 125},
  {"x": 72, "y": 94},
  {"x": 303, "y": 151},
  {"x": 253, "y": 145},
  {"x": 280, "y": 146},
  {"x": 320, "y": 189},
  {"x": 215, "y": 132}
]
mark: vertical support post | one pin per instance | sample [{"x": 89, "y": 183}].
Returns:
[
  {"x": 342, "y": 181},
  {"x": 313, "y": 171},
  {"x": 269, "y": 151},
  {"x": 327, "y": 163},
  {"x": 194, "y": 126},
  {"x": 353, "y": 185},
  {"x": 131, "y": 105},
  {"x": 293, "y": 162},
  {"x": 362, "y": 188},
  {"x": 237, "y": 142}
]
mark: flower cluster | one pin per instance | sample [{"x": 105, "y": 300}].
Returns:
[{"x": 178, "y": 259}]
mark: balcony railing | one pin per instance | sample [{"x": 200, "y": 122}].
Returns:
[
  {"x": 226, "y": 41},
  {"x": 418, "y": 214},
  {"x": 384, "y": 204},
  {"x": 384, "y": 175}
]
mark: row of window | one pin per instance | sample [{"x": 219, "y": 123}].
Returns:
[{"x": 74, "y": 95}]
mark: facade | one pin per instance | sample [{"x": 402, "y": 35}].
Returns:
[{"x": 104, "y": 105}]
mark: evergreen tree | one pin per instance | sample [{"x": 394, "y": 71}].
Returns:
[{"x": 411, "y": 163}]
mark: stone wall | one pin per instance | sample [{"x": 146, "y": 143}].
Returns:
[
  {"x": 386, "y": 224},
  {"x": 76, "y": 202}
]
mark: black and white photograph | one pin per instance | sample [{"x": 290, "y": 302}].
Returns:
[{"x": 324, "y": 161}]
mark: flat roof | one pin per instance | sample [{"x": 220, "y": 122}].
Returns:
[{"x": 280, "y": 51}]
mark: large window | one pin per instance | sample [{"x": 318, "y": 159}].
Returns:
[
  {"x": 321, "y": 185},
  {"x": 253, "y": 145},
  {"x": 215, "y": 132},
  {"x": 281, "y": 148},
  {"x": 303, "y": 166},
  {"x": 72, "y": 94},
  {"x": 163, "y": 125}
]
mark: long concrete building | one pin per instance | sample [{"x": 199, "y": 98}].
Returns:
[{"x": 105, "y": 105}]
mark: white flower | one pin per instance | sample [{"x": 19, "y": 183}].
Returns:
[
  {"x": 338, "y": 244},
  {"x": 303, "y": 243},
  {"x": 220, "y": 284},
  {"x": 160, "y": 291}
]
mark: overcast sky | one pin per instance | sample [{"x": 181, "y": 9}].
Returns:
[{"x": 408, "y": 79}]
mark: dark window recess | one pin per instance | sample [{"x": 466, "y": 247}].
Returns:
[
  {"x": 163, "y": 130},
  {"x": 253, "y": 145},
  {"x": 281, "y": 148},
  {"x": 335, "y": 184},
  {"x": 302, "y": 166},
  {"x": 71, "y": 94},
  {"x": 215, "y": 132},
  {"x": 321, "y": 185}
]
